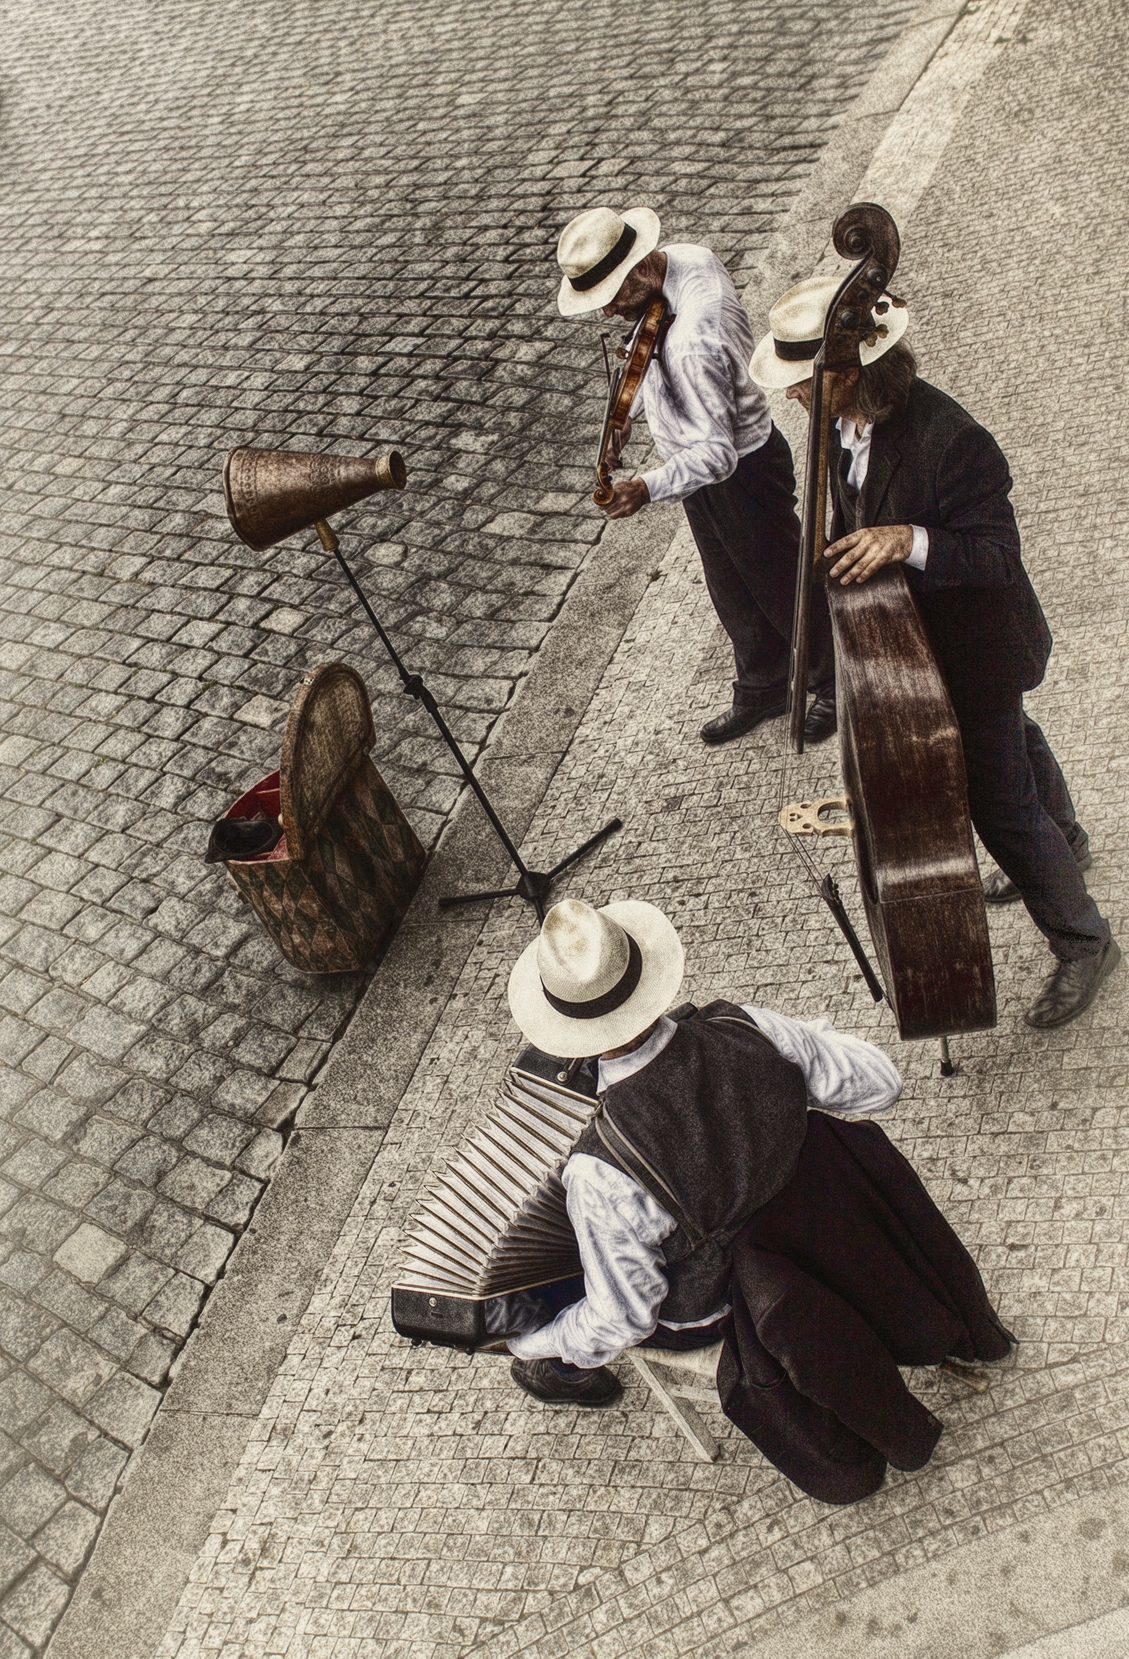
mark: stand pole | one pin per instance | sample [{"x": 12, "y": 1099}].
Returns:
[
  {"x": 948, "y": 1064},
  {"x": 531, "y": 885}
]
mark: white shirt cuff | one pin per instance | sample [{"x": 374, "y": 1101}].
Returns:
[
  {"x": 659, "y": 487},
  {"x": 920, "y": 547}
]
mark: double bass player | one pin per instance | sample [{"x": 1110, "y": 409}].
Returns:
[
  {"x": 723, "y": 458},
  {"x": 915, "y": 480}
]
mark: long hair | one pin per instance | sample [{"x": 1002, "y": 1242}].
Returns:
[{"x": 884, "y": 387}]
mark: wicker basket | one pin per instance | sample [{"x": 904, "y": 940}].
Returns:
[{"x": 334, "y": 889}]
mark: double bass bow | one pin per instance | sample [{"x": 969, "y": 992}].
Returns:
[
  {"x": 633, "y": 360},
  {"x": 904, "y": 782}
]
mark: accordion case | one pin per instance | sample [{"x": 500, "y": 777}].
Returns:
[{"x": 496, "y": 1221}]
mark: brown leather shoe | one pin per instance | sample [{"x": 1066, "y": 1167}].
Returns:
[
  {"x": 1000, "y": 889},
  {"x": 1071, "y": 988},
  {"x": 596, "y": 1388}
]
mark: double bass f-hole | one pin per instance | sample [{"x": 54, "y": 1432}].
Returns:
[{"x": 624, "y": 381}]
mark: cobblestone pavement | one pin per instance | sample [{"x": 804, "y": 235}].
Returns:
[
  {"x": 412, "y": 1502},
  {"x": 323, "y": 228}
]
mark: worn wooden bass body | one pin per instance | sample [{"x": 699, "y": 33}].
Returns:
[
  {"x": 903, "y": 765},
  {"x": 903, "y": 776}
]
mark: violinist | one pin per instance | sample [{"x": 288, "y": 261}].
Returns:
[
  {"x": 915, "y": 480},
  {"x": 723, "y": 459}
]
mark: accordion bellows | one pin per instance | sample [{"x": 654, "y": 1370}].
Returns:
[{"x": 496, "y": 1222}]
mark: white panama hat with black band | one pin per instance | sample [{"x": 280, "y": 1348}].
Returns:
[
  {"x": 785, "y": 356},
  {"x": 594, "y": 979},
  {"x": 596, "y": 250}
]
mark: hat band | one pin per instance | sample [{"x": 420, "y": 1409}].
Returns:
[
  {"x": 605, "y": 266},
  {"x": 611, "y": 1000},
  {"x": 796, "y": 351}
]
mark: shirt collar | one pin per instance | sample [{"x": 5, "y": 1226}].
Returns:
[
  {"x": 626, "y": 1065},
  {"x": 853, "y": 439}
]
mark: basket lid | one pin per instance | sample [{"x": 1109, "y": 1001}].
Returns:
[{"x": 328, "y": 733}]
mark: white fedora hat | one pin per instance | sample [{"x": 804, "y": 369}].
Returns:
[
  {"x": 593, "y": 979},
  {"x": 596, "y": 250},
  {"x": 784, "y": 356}
]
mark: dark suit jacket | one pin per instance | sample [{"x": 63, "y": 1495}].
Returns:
[{"x": 935, "y": 466}]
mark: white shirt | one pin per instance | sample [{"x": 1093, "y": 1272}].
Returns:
[
  {"x": 703, "y": 408},
  {"x": 857, "y": 440},
  {"x": 620, "y": 1228}
]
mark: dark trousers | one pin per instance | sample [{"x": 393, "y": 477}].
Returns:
[
  {"x": 1023, "y": 813},
  {"x": 748, "y": 536}
]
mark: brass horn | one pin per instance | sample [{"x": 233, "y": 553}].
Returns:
[{"x": 274, "y": 493}]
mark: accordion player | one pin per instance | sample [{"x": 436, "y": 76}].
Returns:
[{"x": 725, "y": 1185}]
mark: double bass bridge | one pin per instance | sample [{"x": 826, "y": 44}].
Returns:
[{"x": 806, "y": 817}]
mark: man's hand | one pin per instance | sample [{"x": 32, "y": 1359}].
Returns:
[
  {"x": 865, "y": 551},
  {"x": 628, "y": 498}
]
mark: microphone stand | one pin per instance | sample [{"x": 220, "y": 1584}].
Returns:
[{"x": 531, "y": 885}]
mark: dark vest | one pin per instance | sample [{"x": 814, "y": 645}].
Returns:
[{"x": 711, "y": 1129}]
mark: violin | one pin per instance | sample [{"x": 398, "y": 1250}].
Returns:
[
  {"x": 623, "y": 383},
  {"x": 905, "y": 789}
]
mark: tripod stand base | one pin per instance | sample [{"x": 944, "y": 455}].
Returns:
[{"x": 534, "y": 885}]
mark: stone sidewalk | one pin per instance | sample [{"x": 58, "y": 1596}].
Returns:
[
  {"x": 411, "y": 1502},
  {"x": 323, "y": 228}
]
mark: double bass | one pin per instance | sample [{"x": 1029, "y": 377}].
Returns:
[
  {"x": 905, "y": 789},
  {"x": 634, "y": 358}
]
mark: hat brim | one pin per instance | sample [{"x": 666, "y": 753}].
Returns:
[
  {"x": 663, "y": 967},
  {"x": 645, "y": 222},
  {"x": 775, "y": 373}
]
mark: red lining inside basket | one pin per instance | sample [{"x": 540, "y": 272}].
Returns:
[{"x": 260, "y": 801}]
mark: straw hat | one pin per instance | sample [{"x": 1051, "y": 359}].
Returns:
[
  {"x": 784, "y": 357},
  {"x": 596, "y": 250},
  {"x": 593, "y": 979}
]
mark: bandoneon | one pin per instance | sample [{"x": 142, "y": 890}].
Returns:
[{"x": 496, "y": 1222}]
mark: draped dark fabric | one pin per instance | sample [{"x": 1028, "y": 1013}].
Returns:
[{"x": 849, "y": 1272}]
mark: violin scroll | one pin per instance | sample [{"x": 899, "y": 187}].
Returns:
[{"x": 604, "y": 493}]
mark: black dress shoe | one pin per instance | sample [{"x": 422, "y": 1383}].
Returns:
[
  {"x": 822, "y": 721},
  {"x": 742, "y": 717},
  {"x": 1000, "y": 889},
  {"x": 595, "y": 1388},
  {"x": 1071, "y": 988}
]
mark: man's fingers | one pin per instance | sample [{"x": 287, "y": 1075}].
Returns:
[
  {"x": 850, "y": 558},
  {"x": 865, "y": 567},
  {"x": 843, "y": 544}
]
